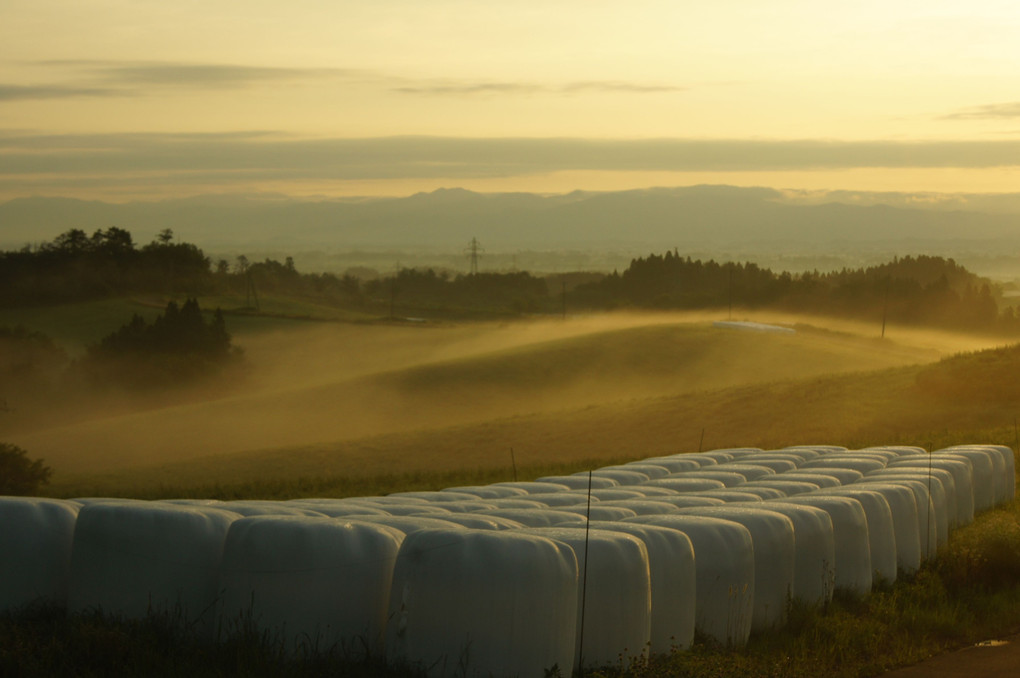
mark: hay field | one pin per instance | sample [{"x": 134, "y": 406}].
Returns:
[{"x": 361, "y": 400}]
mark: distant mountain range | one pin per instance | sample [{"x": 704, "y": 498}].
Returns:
[{"x": 702, "y": 218}]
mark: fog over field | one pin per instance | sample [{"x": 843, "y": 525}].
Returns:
[{"x": 326, "y": 383}]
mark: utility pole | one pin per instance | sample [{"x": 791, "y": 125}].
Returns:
[{"x": 474, "y": 248}]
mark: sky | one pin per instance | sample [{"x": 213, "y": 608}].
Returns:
[{"x": 138, "y": 99}]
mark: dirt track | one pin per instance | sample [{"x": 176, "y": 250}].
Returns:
[{"x": 991, "y": 659}]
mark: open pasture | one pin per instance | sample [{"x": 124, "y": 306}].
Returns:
[{"x": 338, "y": 400}]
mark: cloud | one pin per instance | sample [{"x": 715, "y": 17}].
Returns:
[
  {"x": 36, "y": 92},
  {"x": 988, "y": 112},
  {"x": 470, "y": 88},
  {"x": 268, "y": 155},
  {"x": 134, "y": 74}
]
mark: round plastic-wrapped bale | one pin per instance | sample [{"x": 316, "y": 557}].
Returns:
[
  {"x": 488, "y": 491},
  {"x": 685, "y": 500},
  {"x": 621, "y": 477},
  {"x": 316, "y": 585},
  {"x": 1008, "y": 478},
  {"x": 437, "y": 496},
  {"x": 579, "y": 481},
  {"x": 862, "y": 464},
  {"x": 724, "y": 573},
  {"x": 477, "y": 522},
  {"x": 483, "y": 603},
  {"x": 537, "y": 517},
  {"x": 615, "y": 598},
  {"x": 651, "y": 470},
  {"x": 600, "y": 512},
  {"x": 270, "y": 508},
  {"x": 408, "y": 524},
  {"x": 814, "y": 565},
  {"x": 903, "y": 508},
  {"x": 137, "y": 558},
  {"x": 850, "y": 531},
  {"x": 572, "y": 498},
  {"x": 774, "y": 546},
  {"x": 514, "y": 503},
  {"x": 672, "y": 579},
  {"x": 787, "y": 487},
  {"x": 339, "y": 509},
  {"x": 763, "y": 491},
  {"x": 842, "y": 476},
  {"x": 642, "y": 507},
  {"x": 650, "y": 491},
  {"x": 448, "y": 507},
  {"x": 610, "y": 493},
  {"x": 962, "y": 482},
  {"x": 727, "y": 478},
  {"x": 930, "y": 497},
  {"x": 686, "y": 483},
  {"x": 35, "y": 550},
  {"x": 881, "y": 529},
  {"x": 746, "y": 469},
  {"x": 819, "y": 479},
  {"x": 983, "y": 469},
  {"x": 534, "y": 487},
  {"x": 730, "y": 495},
  {"x": 676, "y": 463}
]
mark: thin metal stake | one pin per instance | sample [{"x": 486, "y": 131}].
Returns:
[{"x": 584, "y": 584}]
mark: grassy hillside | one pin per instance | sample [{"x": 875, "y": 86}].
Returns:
[{"x": 356, "y": 409}]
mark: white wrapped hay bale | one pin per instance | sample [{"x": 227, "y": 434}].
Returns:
[
  {"x": 316, "y": 585},
  {"x": 814, "y": 567},
  {"x": 534, "y": 487},
  {"x": 572, "y": 498},
  {"x": 850, "y": 530},
  {"x": 730, "y": 495},
  {"x": 842, "y": 476},
  {"x": 820, "y": 479},
  {"x": 881, "y": 528},
  {"x": 986, "y": 486},
  {"x": 514, "y": 503},
  {"x": 477, "y": 522},
  {"x": 620, "y": 476},
  {"x": 643, "y": 507},
  {"x": 777, "y": 465},
  {"x": 483, "y": 603},
  {"x": 787, "y": 487},
  {"x": 35, "y": 551},
  {"x": 339, "y": 509},
  {"x": 537, "y": 517},
  {"x": 436, "y": 496},
  {"x": 861, "y": 464},
  {"x": 727, "y": 478},
  {"x": 135, "y": 558},
  {"x": 951, "y": 474},
  {"x": 612, "y": 493},
  {"x": 678, "y": 463},
  {"x": 615, "y": 599},
  {"x": 488, "y": 491},
  {"x": 1005, "y": 454},
  {"x": 907, "y": 526},
  {"x": 650, "y": 491},
  {"x": 763, "y": 491},
  {"x": 448, "y": 507},
  {"x": 600, "y": 512},
  {"x": 685, "y": 500},
  {"x": 774, "y": 546},
  {"x": 749, "y": 470},
  {"x": 686, "y": 483},
  {"x": 672, "y": 577},
  {"x": 931, "y": 500},
  {"x": 252, "y": 507},
  {"x": 579, "y": 481},
  {"x": 407, "y": 524},
  {"x": 650, "y": 469},
  {"x": 724, "y": 567}
]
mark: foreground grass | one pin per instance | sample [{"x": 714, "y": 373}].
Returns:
[{"x": 971, "y": 593}]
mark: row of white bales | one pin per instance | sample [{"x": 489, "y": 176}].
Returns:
[{"x": 492, "y": 580}]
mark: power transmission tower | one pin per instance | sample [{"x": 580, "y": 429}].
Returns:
[{"x": 474, "y": 248}]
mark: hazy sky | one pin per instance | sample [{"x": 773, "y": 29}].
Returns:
[{"x": 139, "y": 98}]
